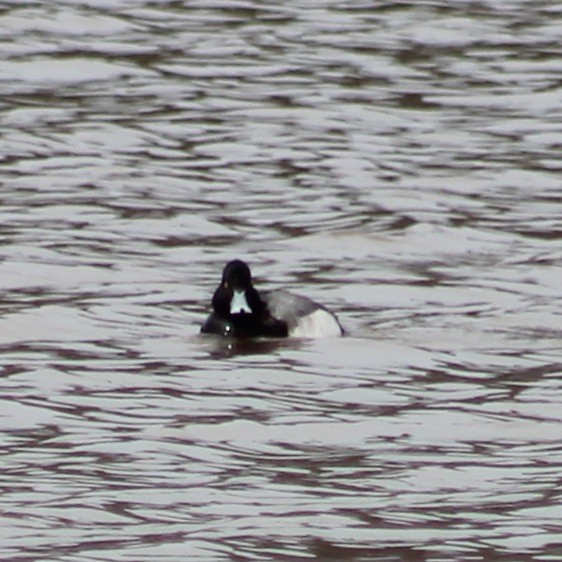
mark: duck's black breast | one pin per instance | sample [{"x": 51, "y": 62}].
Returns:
[
  {"x": 217, "y": 325},
  {"x": 246, "y": 325}
]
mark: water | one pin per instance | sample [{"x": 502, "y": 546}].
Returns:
[{"x": 398, "y": 162}]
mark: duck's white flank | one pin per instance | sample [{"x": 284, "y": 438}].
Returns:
[{"x": 318, "y": 324}]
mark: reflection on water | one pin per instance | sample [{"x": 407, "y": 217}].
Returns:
[{"x": 397, "y": 162}]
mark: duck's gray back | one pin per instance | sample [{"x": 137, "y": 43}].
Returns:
[{"x": 289, "y": 307}]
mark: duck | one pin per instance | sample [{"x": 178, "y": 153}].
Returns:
[{"x": 240, "y": 311}]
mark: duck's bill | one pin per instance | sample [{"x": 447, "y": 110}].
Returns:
[{"x": 239, "y": 303}]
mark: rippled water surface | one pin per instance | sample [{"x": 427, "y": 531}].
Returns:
[{"x": 398, "y": 162}]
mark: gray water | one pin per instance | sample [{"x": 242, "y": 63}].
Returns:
[{"x": 399, "y": 162}]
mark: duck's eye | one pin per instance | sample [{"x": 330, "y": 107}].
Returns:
[{"x": 225, "y": 285}]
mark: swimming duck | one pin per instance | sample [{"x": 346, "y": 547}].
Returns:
[{"x": 239, "y": 310}]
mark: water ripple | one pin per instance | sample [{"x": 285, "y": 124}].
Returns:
[{"x": 398, "y": 162}]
